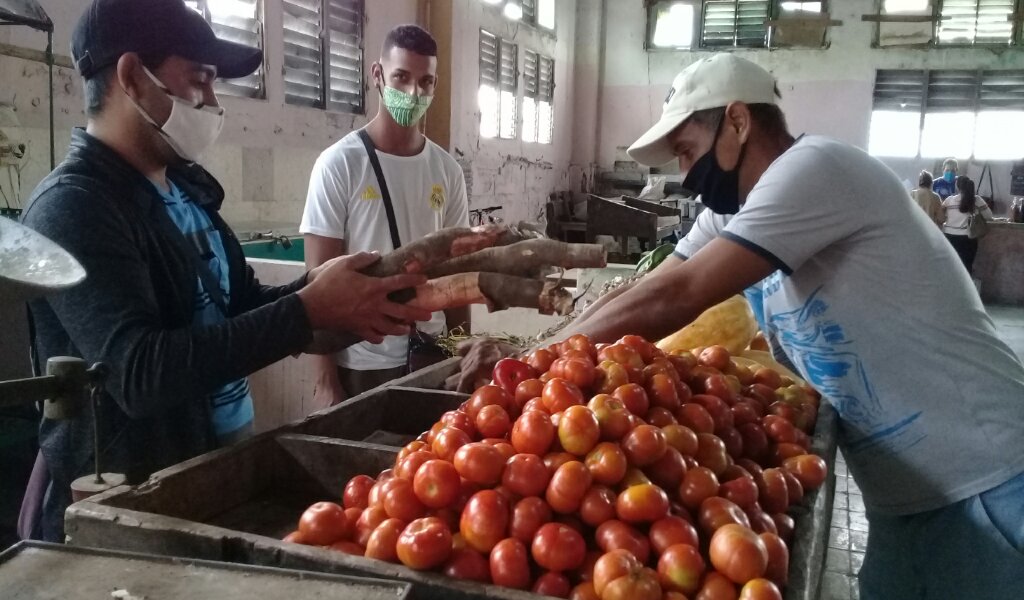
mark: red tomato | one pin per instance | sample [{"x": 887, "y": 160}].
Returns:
[
  {"x": 459, "y": 420},
  {"x": 486, "y": 396},
  {"x": 576, "y": 370},
  {"x": 578, "y": 430},
  {"x": 616, "y": 535},
  {"x": 783, "y": 526},
  {"x": 716, "y": 512},
  {"x": 541, "y": 359},
  {"x": 368, "y": 521},
  {"x": 407, "y": 467},
  {"x": 681, "y": 568},
  {"x": 711, "y": 453},
  {"x": 468, "y": 565},
  {"x": 644, "y": 445},
  {"x": 294, "y": 538},
  {"x": 662, "y": 391},
  {"x": 669, "y": 470},
  {"x": 567, "y": 487},
  {"x": 738, "y": 553},
  {"x": 528, "y": 390},
  {"x": 493, "y": 421},
  {"x": 779, "y": 429},
  {"x": 533, "y": 433},
  {"x": 584, "y": 591},
  {"x": 755, "y": 440},
  {"x": 527, "y": 517},
  {"x": 643, "y": 503},
  {"x": 612, "y": 565},
  {"x": 607, "y": 463},
  {"x": 484, "y": 521},
  {"x": 746, "y": 411},
  {"x": 659, "y": 417},
  {"x": 645, "y": 349},
  {"x": 598, "y": 506},
  {"x": 760, "y": 589},
  {"x": 698, "y": 484},
  {"x": 553, "y": 460},
  {"x": 560, "y": 394},
  {"x": 510, "y": 372},
  {"x": 778, "y": 559},
  {"x": 348, "y": 548},
  {"x": 742, "y": 491},
  {"x": 717, "y": 587},
  {"x": 795, "y": 490},
  {"x": 695, "y": 417},
  {"x": 414, "y": 446},
  {"x": 773, "y": 493},
  {"x": 357, "y": 491},
  {"x": 641, "y": 584},
  {"x": 622, "y": 354},
  {"x": 809, "y": 469},
  {"x": 480, "y": 463},
  {"x": 682, "y": 438},
  {"x": 323, "y": 524},
  {"x": 611, "y": 415},
  {"x": 448, "y": 441},
  {"x": 436, "y": 483},
  {"x": 526, "y": 475},
  {"x": 609, "y": 376},
  {"x": 383, "y": 542},
  {"x": 552, "y": 584},
  {"x": 716, "y": 357},
  {"x": 670, "y": 531},
  {"x": 558, "y": 547},
  {"x": 760, "y": 521},
  {"x": 401, "y": 502},
  {"x": 536, "y": 404},
  {"x": 510, "y": 564},
  {"x": 634, "y": 397},
  {"x": 424, "y": 544}
]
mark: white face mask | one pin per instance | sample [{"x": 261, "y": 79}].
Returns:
[{"x": 191, "y": 129}]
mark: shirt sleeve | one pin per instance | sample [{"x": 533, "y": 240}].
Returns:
[
  {"x": 326, "y": 208},
  {"x": 986, "y": 211},
  {"x": 456, "y": 213},
  {"x": 797, "y": 209},
  {"x": 706, "y": 228}
]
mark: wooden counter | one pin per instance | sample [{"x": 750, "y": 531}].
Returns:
[{"x": 1000, "y": 264}]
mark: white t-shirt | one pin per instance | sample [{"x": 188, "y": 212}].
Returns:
[
  {"x": 956, "y": 221},
  {"x": 872, "y": 306},
  {"x": 428, "y": 192}
]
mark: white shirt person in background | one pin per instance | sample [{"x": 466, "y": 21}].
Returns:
[
  {"x": 959, "y": 208},
  {"x": 345, "y": 211}
]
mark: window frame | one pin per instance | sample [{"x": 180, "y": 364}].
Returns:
[
  {"x": 223, "y": 86},
  {"x": 502, "y": 82},
  {"x": 948, "y": 91},
  {"x": 543, "y": 90},
  {"x": 774, "y": 11},
  {"x": 530, "y": 15},
  {"x": 1015, "y": 40},
  {"x": 324, "y": 101}
]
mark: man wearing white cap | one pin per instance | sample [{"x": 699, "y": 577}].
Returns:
[{"x": 869, "y": 301}]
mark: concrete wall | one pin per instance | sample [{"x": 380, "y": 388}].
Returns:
[
  {"x": 511, "y": 173},
  {"x": 265, "y": 154},
  {"x": 825, "y": 91}
]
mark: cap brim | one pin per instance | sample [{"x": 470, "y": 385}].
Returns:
[
  {"x": 653, "y": 149},
  {"x": 232, "y": 59}
]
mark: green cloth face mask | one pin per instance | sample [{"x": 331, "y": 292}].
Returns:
[{"x": 406, "y": 109}]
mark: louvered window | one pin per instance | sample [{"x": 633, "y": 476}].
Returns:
[
  {"x": 538, "y": 97},
  {"x": 735, "y": 23},
  {"x": 960, "y": 113},
  {"x": 238, "y": 21},
  {"x": 323, "y": 42},
  {"x": 529, "y": 11},
  {"x": 975, "y": 22},
  {"x": 672, "y": 24},
  {"x": 498, "y": 86}
]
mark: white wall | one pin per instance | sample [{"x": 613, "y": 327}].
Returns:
[
  {"x": 516, "y": 175},
  {"x": 265, "y": 154},
  {"x": 825, "y": 91}
]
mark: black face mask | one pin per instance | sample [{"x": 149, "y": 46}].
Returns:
[{"x": 719, "y": 189}]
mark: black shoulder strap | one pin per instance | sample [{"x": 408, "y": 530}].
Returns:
[{"x": 396, "y": 240}]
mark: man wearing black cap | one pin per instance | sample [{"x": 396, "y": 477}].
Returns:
[{"x": 169, "y": 304}]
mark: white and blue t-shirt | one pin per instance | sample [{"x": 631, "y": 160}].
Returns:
[
  {"x": 232, "y": 404},
  {"x": 875, "y": 310}
]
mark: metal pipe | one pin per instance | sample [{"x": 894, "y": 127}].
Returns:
[
  {"x": 19, "y": 392},
  {"x": 49, "y": 62}
]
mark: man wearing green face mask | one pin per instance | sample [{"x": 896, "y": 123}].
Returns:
[{"x": 415, "y": 188}]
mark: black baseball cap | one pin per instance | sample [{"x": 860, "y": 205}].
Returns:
[{"x": 110, "y": 28}]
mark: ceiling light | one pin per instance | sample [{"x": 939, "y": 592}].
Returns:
[{"x": 513, "y": 11}]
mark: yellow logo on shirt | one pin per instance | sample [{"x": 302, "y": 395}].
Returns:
[
  {"x": 437, "y": 197},
  {"x": 370, "y": 193}
]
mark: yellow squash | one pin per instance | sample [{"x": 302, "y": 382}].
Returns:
[{"x": 730, "y": 324}]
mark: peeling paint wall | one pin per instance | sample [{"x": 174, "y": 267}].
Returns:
[
  {"x": 510, "y": 173},
  {"x": 267, "y": 150},
  {"x": 825, "y": 91}
]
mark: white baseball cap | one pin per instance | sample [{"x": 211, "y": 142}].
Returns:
[{"x": 708, "y": 83}]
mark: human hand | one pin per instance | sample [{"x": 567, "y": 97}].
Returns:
[
  {"x": 338, "y": 297},
  {"x": 328, "y": 393},
  {"x": 478, "y": 359}
]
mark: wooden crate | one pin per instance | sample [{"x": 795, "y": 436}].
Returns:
[{"x": 235, "y": 504}]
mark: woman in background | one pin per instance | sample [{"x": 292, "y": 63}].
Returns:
[
  {"x": 959, "y": 208},
  {"x": 928, "y": 200}
]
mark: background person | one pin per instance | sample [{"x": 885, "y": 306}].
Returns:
[
  {"x": 928, "y": 200},
  {"x": 958, "y": 209},
  {"x": 345, "y": 210},
  {"x": 946, "y": 185}
]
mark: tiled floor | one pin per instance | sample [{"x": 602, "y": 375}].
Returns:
[{"x": 849, "y": 536}]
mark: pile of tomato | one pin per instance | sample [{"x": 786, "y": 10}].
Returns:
[{"x": 597, "y": 471}]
